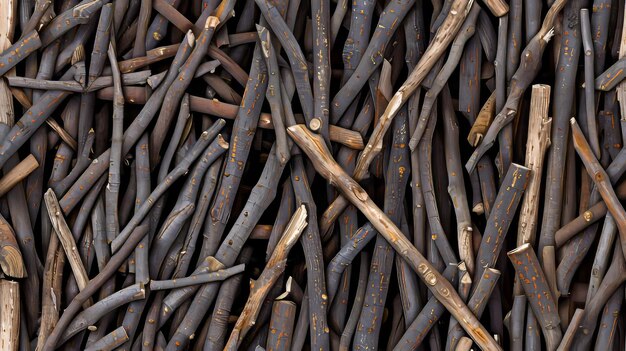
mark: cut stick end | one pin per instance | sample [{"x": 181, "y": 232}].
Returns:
[
  {"x": 214, "y": 264},
  {"x": 519, "y": 249},
  {"x": 493, "y": 271},
  {"x": 11, "y": 262},
  {"x": 211, "y": 22},
  {"x": 260, "y": 29},
  {"x": 315, "y": 124},
  {"x": 191, "y": 38},
  {"x": 572, "y": 121}
]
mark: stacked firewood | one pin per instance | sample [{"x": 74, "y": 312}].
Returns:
[{"x": 312, "y": 174}]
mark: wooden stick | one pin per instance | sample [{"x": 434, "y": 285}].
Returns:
[
  {"x": 219, "y": 275},
  {"x": 92, "y": 314},
  {"x": 181, "y": 169},
  {"x": 538, "y": 292},
  {"x": 456, "y": 51},
  {"x": 281, "y": 326},
  {"x": 229, "y": 292},
  {"x": 17, "y": 174},
  {"x": 13, "y": 55},
  {"x": 483, "y": 289},
  {"x": 9, "y": 315},
  {"x": 483, "y": 120},
  {"x": 443, "y": 37},
  {"x": 428, "y": 189},
  {"x": 568, "y": 337},
  {"x": 522, "y": 78},
  {"x": 66, "y": 238},
  {"x": 621, "y": 87},
  {"x": 11, "y": 260},
  {"x": 111, "y": 268},
  {"x": 456, "y": 183},
  {"x": 609, "y": 321},
  {"x": 341, "y": 135},
  {"x": 587, "y": 218},
  {"x": 273, "y": 94},
  {"x": 177, "y": 89},
  {"x": 433, "y": 310},
  {"x": 602, "y": 181},
  {"x": 70, "y": 18},
  {"x": 613, "y": 280},
  {"x": 538, "y": 142},
  {"x": 590, "y": 103},
  {"x": 443, "y": 290},
  {"x": 51, "y": 294},
  {"x": 509, "y": 196},
  {"x": 110, "y": 341},
  {"x": 259, "y": 288}
]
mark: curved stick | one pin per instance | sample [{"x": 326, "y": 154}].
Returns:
[
  {"x": 110, "y": 341},
  {"x": 92, "y": 287},
  {"x": 13, "y": 55}
]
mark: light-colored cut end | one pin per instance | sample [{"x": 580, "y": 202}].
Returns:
[
  {"x": 222, "y": 142},
  {"x": 191, "y": 39},
  {"x": 78, "y": 55},
  {"x": 519, "y": 249},
  {"x": 211, "y": 22}
]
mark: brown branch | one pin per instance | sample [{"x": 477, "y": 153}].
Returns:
[
  {"x": 316, "y": 149},
  {"x": 261, "y": 287},
  {"x": 67, "y": 239},
  {"x": 17, "y": 174}
]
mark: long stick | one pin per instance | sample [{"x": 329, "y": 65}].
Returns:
[
  {"x": 538, "y": 293},
  {"x": 538, "y": 141},
  {"x": 66, "y": 238},
  {"x": 314, "y": 147},
  {"x": 275, "y": 265},
  {"x": 522, "y": 78},
  {"x": 9, "y": 315},
  {"x": 601, "y": 179},
  {"x": 443, "y": 37}
]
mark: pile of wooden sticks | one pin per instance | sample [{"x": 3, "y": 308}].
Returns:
[{"x": 312, "y": 175}]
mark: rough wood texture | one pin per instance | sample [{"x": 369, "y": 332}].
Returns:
[
  {"x": 17, "y": 174},
  {"x": 538, "y": 141},
  {"x": 505, "y": 207},
  {"x": 66, "y": 239},
  {"x": 273, "y": 268},
  {"x": 328, "y": 168},
  {"x": 538, "y": 293},
  {"x": 602, "y": 181},
  {"x": 9, "y": 315}
]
